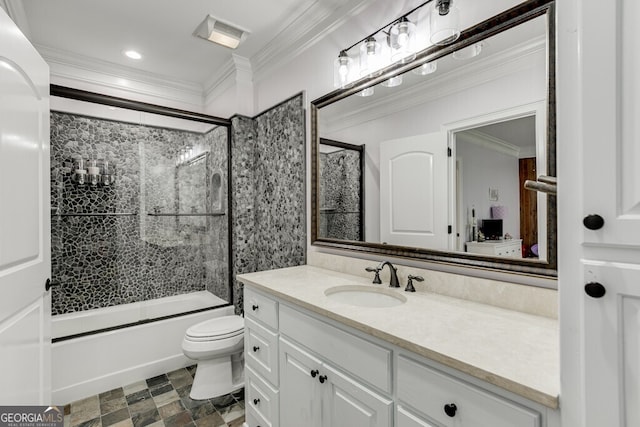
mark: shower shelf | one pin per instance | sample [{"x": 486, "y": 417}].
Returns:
[
  {"x": 186, "y": 214},
  {"x": 98, "y": 214}
]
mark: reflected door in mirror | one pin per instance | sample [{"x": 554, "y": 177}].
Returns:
[{"x": 413, "y": 201}]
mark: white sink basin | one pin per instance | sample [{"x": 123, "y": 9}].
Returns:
[{"x": 365, "y": 296}]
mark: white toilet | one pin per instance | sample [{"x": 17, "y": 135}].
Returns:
[{"x": 217, "y": 345}]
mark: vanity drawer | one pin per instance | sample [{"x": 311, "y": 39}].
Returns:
[
  {"x": 405, "y": 418},
  {"x": 260, "y": 307},
  {"x": 261, "y": 350},
  {"x": 261, "y": 399},
  {"x": 429, "y": 390},
  {"x": 357, "y": 356}
]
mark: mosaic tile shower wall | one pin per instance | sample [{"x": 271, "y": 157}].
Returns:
[
  {"x": 243, "y": 140},
  {"x": 281, "y": 237},
  {"x": 340, "y": 184},
  {"x": 268, "y": 181},
  {"x": 148, "y": 252}
]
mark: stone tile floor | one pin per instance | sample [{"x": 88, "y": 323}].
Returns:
[{"x": 159, "y": 401}]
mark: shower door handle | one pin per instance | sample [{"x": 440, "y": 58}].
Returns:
[{"x": 49, "y": 284}]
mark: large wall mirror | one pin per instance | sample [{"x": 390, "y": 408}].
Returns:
[{"x": 447, "y": 152}]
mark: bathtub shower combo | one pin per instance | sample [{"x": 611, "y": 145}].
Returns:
[{"x": 140, "y": 245}]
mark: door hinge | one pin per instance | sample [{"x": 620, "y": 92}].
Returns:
[
  {"x": 450, "y": 228},
  {"x": 448, "y": 151}
]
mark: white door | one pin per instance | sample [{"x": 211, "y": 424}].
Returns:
[
  {"x": 599, "y": 178},
  {"x": 413, "y": 191},
  {"x": 25, "y": 229}
]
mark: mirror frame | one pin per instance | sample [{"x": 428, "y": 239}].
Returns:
[{"x": 510, "y": 18}]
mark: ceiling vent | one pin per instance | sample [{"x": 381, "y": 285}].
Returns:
[{"x": 220, "y": 32}]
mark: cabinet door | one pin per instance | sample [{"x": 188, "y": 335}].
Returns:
[
  {"x": 612, "y": 346},
  {"x": 611, "y": 98},
  {"x": 598, "y": 157},
  {"x": 347, "y": 403},
  {"x": 299, "y": 391}
]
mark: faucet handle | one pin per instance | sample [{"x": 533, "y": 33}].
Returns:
[
  {"x": 411, "y": 278},
  {"x": 376, "y": 279}
]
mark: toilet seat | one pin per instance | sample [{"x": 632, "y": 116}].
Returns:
[{"x": 216, "y": 329}]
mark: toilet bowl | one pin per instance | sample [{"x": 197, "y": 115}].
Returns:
[{"x": 217, "y": 345}]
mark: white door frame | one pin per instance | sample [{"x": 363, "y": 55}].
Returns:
[{"x": 539, "y": 111}]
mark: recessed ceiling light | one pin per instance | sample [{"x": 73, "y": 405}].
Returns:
[{"x": 132, "y": 54}]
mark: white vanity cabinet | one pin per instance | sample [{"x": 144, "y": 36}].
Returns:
[
  {"x": 452, "y": 402},
  {"x": 261, "y": 360},
  {"x": 333, "y": 375},
  {"x": 319, "y": 384},
  {"x": 316, "y": 394}
]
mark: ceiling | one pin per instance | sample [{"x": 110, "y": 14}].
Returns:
[{"x": 92, "y": 34}]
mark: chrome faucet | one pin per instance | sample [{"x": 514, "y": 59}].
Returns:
[{"x": 393, "y": 283}]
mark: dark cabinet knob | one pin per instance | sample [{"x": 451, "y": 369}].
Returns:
[
  {"x": 450, "y": 409},
  {"x": 593, "y": 222},
  {"x": 256, "y": 401},
  {"x": 255, "y": 348},
  {"x": 595, "y": 290},
  {"x": 254, "y": 307},
  {"x": 314, "y": 373},
  {"x": 322, "y": 378}
]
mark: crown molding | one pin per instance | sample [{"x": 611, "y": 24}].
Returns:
[
  {"x": 67, "y": 65},
  {"x": 314, "y": 24},
  {"x": 220, "y": 82},
  {"x": 304, "y": 31},
  {"x": 15, "y": 10},
  {"x": 244, "y": 71},
  {"x": 491, "y": 142},
  {"x": 484, "y": 70}
]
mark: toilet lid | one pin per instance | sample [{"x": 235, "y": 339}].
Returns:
[{"x": 220, "y": 327}]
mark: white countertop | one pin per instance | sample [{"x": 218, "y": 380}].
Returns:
[{"x": 512, "y": 350}]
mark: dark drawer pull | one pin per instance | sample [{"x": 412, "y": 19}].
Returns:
[
  {"x": 450, "y": 409},
  {"x": 322, "y": 378},
  {"x": 255, "y": 307},
  {"x": 314, "y": 373},
  {"x": 256, "y": 401},
  {"x": 255, "y": 348}
]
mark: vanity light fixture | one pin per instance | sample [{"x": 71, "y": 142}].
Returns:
[
  {"x": 370, "y": 57},
  {"x": 428, "y": 68},
  {"x": 366, "y": 92},
  {"x": 468, "y": 52},
  {"x": 401, "y": 39},
  {"x": 393, "y": 81},
  {"x": 216, "y": 31},
  {"x": 343, "y": 70},
  {"x": 401, "y": 43},
  {"x": 444, "y": 23}
]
